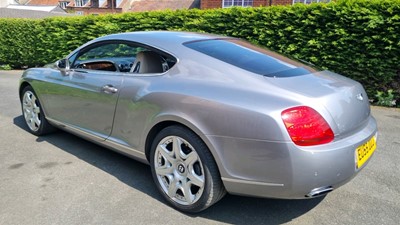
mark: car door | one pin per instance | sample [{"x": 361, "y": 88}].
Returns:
[{"x": 86, "y": 96}]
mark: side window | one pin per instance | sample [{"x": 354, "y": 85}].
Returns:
[
  {"x": 72, "y": 58},
  {"x": 122, "y": 57},
  {"x": 116, "y": 57},
  {"x": 149, "y": 61}
]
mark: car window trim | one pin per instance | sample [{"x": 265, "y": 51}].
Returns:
[{"x": 78, "y": 52}]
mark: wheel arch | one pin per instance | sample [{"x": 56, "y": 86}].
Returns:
[
  {"x": 153, "y": 133},
  {"x": 22, "y": 86},
  {"x": 170, "y": 122}
]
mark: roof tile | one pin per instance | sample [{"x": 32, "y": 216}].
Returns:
[
  {"x": 43, "y": 2},
  {"x": 152, "y": 5}
]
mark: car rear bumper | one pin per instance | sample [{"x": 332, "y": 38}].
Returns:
[{"x": 284, "y": 170}]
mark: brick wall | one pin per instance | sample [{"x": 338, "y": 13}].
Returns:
[
  {"x": 257, "y": 3},
  {"x": 210, "y": 4},
  {"x": 282, "y": 2},
  {"x": 88, "y": 10}
]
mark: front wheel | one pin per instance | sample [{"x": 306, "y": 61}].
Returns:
[
  {"x": 33, "y": 113},
  {"x": 184, "y": 170}
]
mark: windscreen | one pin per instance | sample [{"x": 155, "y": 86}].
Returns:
[{"x": 251, "y": 58}]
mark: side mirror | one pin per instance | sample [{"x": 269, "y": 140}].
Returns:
[{"x": 63, "y": 65}]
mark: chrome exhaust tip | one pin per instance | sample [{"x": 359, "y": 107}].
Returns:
[{"x": 317, "y": 192}]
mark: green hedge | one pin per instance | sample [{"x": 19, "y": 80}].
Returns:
[{"x": 357, "y": 38}]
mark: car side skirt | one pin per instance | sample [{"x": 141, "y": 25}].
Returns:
[{"x": 102, "y": 141}]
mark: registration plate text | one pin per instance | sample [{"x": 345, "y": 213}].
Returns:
[{"x": 364, "y": 152}]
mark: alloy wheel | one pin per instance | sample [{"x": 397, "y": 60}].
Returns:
[
  {"x": 179, "y": 170},
  {"x": 31, "y": 111}
]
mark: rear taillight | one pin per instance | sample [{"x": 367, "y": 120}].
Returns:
[{"x": 306, "y": 126}]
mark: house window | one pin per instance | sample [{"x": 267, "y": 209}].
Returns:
[
  {"x": 80, "y": 3},
  {"x": 310, "y": 1},
  {"x": 230, "y": 3},
  {"x": 63, "y": 4}
]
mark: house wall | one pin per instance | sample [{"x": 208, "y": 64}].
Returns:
[
  {"x": 282, "y": 2},
  {"x": 210, "y": 4},
  {"x": 89, "y": 11}
]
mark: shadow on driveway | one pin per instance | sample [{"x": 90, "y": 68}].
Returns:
[{"x": 231, "y": 209}]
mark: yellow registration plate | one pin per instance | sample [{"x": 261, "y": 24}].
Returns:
[{"x": 364, "y": 151}]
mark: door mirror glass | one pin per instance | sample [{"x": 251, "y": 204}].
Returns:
[{"x": 62, "y": 64}]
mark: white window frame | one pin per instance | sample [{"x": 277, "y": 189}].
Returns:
[
  {"x": 80, "y": 3},
  {"x": 242, "y": 3},
  {"x": 63, "y": 4},
  {"x": 310, "y": 1}
]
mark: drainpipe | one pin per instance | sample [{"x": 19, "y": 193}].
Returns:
[{"x": 270, "y": 2}]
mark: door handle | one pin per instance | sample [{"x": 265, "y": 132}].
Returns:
[{"x": 109, "y": 89}]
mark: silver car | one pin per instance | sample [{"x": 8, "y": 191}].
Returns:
[{"x": 210, "y": 114}]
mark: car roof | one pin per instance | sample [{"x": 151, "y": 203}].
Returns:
[{"x": 169, "y": 40}]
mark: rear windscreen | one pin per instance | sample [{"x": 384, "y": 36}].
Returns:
[{"x": 249, "y": 57}]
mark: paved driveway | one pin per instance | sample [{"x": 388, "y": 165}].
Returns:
[{"x": 61, "y": 179}]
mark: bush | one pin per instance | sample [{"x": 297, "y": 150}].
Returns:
[
  {"x": 385, "y": 99},
  {"x": 5, "y": 67},
  {"x": 18, "y": 43},
  {"x": 357, "y": 38}
]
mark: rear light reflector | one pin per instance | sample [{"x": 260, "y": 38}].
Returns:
[{"x": 306, "y": 126}]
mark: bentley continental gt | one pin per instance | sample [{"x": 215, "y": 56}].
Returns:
[{"x": 210, "y": 114}]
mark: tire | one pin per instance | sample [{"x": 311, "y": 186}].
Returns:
[
  {"x": 32, "y": 112},
  {"x": 187, "y": 176}
]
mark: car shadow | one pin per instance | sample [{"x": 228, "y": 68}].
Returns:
[{"x": 231, "y": 209}]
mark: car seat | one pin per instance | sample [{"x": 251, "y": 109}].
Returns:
[{"x": 147, "y": 62}]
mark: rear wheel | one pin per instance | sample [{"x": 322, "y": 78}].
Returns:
[
  {"x": 184, "y": 170},
  {"x": 33, "y": 113}
]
